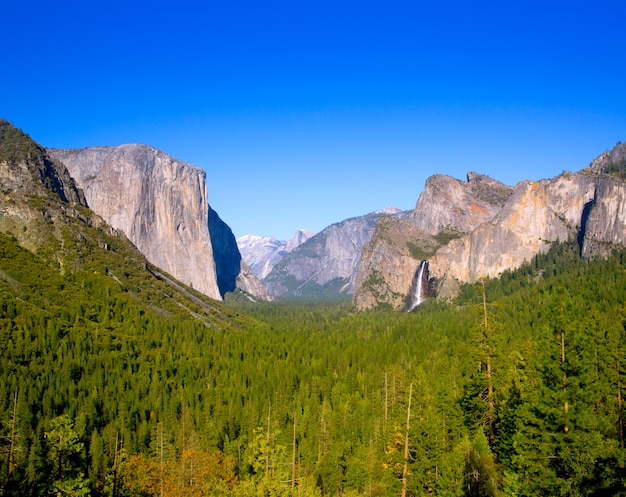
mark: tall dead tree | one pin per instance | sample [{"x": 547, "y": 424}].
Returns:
[{"x": 405, "y": 470}]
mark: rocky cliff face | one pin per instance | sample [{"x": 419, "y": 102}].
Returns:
[
  {"x": 326, "y": 264},
  {"x": 161, "y": 204},
  {"x": 450, "y": 205},
  {"x": 605, "y": 224},
  {"x": 604, "y": 217},
  {"x": 536, "y": 214},
  {"x": 389, "y": 262},
  {"x": 497, "y": 227},
  {"x": 225, "y": 253},
  {"x": 446, "y": 209}
]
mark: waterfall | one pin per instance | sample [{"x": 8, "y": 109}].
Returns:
[{"x": 419, "y": 288}]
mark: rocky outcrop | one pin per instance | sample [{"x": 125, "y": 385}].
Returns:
[
  {"x": 498, "y": 227},
  {"x": 41, "y": 206},
  {"x": 536, "y": 214},
  {"x": 27, "y": 168},
  {"x": 250, "y": 284},
  {"x": 446, "y": 209},
  {"x": 389, "y": 262},
  {"x": 450, "y": 205},
  {"x": 161, "y": 204},
  {"x": 325, "y": 265}
]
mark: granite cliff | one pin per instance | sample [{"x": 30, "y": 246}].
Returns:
[
  {"x": 454, "y": 206},
  {"x": 536, "y": 214},
  {"x": 162, "y": 206},
  {"x": 446, "y": 209},
  {"x": 326, "y": 265},
  {"x": 604, "y": 218},
  {"x": 481, "y": 227}
]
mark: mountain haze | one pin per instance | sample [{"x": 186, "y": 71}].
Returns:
[{"x": 261, "y": 253}]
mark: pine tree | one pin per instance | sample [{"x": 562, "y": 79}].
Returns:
[{"x": 563, "y": 445}]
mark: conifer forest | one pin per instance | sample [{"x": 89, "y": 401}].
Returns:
[{"x": 111, "y": 385}]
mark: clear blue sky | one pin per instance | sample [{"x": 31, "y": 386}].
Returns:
[{"x": 304, "y": 113}]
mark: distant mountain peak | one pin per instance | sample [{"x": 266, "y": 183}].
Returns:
[
  {"x": 325, "y": 266},
  {"x": 262, "y": 253},
  {"x": 390, "y": 211},
  {"x": 299, "y": 237}
]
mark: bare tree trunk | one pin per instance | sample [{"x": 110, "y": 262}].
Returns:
[
  {"x": 267, "y": 451},
  {"x": 405, "y": 471},
  {"x": 620, "y": 401},
  {"x": 490, "y": 397},
  {"x": 11, "y": 455},
  {"x": 293, "y": 455},
  {"x": 115, "y": 465},
  {"x": 566, "y": 405}
]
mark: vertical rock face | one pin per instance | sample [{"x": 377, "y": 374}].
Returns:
[
  {"x": 605, "y": 226},
  {"x": 450, "y": 205},
  {"x": 160, "y": 203},
  {"x": 327, "y": 263},
  {"x": 536, "y": 213},
  {"x": 446, "y": 209},
  {"x": 389, "y": 262},
  {"x": 225, "y": 253}
]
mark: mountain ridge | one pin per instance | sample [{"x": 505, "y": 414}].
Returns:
[
  {"x": 47, "y": 222},
  {"x": 524, "y": 220},
  {"x": 326, "y": 265},
  {"x": 465, "y": 230}
]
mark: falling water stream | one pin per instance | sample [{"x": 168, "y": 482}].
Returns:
[{"x": 419, "y": 287}]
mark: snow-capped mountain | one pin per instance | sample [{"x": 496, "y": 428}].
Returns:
[{"x": 261, "y": 253}]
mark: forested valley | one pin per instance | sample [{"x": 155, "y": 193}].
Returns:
[{"x": 113, "y": 386}]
